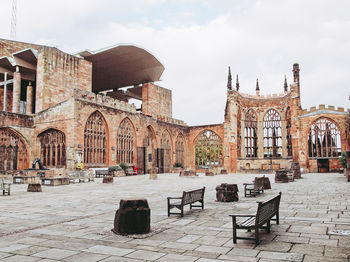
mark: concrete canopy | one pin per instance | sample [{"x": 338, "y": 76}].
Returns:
[{"x": 121, "y": 66}]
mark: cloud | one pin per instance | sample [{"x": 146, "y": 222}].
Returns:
[{"x": 197, "y": 40}]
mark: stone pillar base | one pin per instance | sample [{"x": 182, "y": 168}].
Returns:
[
  {"x": 107, "y": 179},
  {"x": 34, "y": 188}
]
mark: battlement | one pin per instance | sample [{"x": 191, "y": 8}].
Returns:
[
  {"x": 171, "y": 120},
  {"x": 322, "y": 107},
  {"x": 267, "y": 96},
  {"x": 104, "y": 100}
]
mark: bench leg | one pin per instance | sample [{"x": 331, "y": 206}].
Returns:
[
  {"x": 257, "y": 235},
  {"x": 182, "y": 211},
  {"x": 234, "y": 230},
  {"x": 203, "y": 204},
  {"x": 268, "y": 226},
  {"x": 277, "y": 217}
]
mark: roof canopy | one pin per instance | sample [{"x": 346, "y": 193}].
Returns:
[{"x": 121, "y": 66}]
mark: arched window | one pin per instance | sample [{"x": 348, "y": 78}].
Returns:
[
  {"x": 239, "y": 137},
  {"x": 180, "y": 150},
  {"x": 251, "y": 134},
  {"x": 272, "y": 134},
  {"x": 289, "y": 132},
  {"x": 208, "y": 149},
  {"x": 125, "y": 142},
  {"x": 52, "y": 148},
  {"x": 95, "y": 140},
  {"x": 165, "y": 146},
  {"x": 324, "y": 139},
  {"x": 13, "y": 152}
]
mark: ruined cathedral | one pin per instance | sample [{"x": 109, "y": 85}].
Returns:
[{"x": 66, "y": 109}]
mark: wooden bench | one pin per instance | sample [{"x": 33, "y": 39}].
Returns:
[
  {"x": 5, "y": 187},
  {"x": 265, "y": 213},
  {"x": 188, "y": 198},
  {"x": 257, "y": 187}
]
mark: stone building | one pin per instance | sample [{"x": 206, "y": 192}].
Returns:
[{"x": 67, "y": 109}]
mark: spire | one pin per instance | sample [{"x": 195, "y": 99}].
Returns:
[
  {"x": 285, "y": 84},
  {"x": 257, "y": 88},
  {"x": 229, "y": 79},
  {"x": 237, "y": 83}
]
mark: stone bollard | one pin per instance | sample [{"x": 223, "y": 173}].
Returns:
[
  {"x": 153, "y": 173},
  {"x": 281, "y": 176},
  {"x": 34, "y": 188},
  {"x": 223, "y": 172},
  {"x": 132, "y": 217},
  {"x": 296, "y": 170},
  {"x": 227, "y": 193},
  {"x": 209, "y": 172},
  {"x": 267, "y": 184},
  {"x": 107, "y": 179},
  {"x": 188, "y": 172}
]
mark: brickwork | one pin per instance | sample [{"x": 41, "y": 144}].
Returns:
[{"x": 64, "y": 101}]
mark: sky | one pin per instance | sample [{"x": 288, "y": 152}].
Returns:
[{"x": 196, "y": 41}]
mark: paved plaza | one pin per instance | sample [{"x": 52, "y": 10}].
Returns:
[{"x": 74, "y": 222}]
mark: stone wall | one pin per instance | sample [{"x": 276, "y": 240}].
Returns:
[{"x": 156, "y": 101}]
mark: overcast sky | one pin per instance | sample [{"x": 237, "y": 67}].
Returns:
[{"x": 196, "y": 41}]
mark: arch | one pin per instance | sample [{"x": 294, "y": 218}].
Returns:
[
  {"x": 150, "y": 144},
  {"x": 95, "y": 139},
  {"x": 126, "y": 142},
  {"x": 208, "y": 149},
  {"x": 13, "y": 150},
  {"x": 272, "y": 134},
  {"x": 180, "y": 150},
  {"x": 324, "y": 138},
  {"x": 251, "y": 134},
  {"x": 52, "y": 148},
  {"x": 164, "y": 154},
  {"x": 289, "y": 132}
]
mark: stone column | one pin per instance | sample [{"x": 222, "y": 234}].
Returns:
[
  {"x": 5, "y": 92},
  {"x": 29, "y": 109},
  {"x": 16, "y": 91}
]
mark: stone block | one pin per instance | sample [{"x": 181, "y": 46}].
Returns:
[
  {"x": 107, "y": 179},
  {"x": 34, "y": 188},
  {"x": 132, "y": 217}
]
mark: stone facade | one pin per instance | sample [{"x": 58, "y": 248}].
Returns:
[{"x": 52, "y": 90}]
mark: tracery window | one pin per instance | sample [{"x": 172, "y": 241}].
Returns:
[
  {"x": 208, "y": 149},
  {"x": 239, "y": 137},
  {"x": 289, "y": 133},
  {"x": 272, "y": 134},
  {"x": 95, "y": 140},
  {"x": 251, "y": 134},
  {"x": 165, "y": 146},
  {"x": 52, "y": 148},
  {"x": 180, "y": 150},
  {"x": 125, "y": 142},
  {"x": 13, "y": 152},
  {"x": 324, "y": 139}
]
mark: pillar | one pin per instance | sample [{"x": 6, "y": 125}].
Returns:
[
  {"x": 29, "y": 109},
  {"x": 5, "y": 92},
  {"x": 16, "y": 91}
]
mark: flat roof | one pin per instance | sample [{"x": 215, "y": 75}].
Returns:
[{"x": 121, "y": 66}]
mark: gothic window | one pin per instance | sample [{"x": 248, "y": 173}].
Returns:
[
  {"x": 239, "y": 138},
  {"x": 289, "y": 132},
  {"x": 272, "y": 134},
  {"x": 13, "y": 152},
  {"x": 165, "y": 145},
  {"x": 95, "y": 140},
  {"x": 324, "y": 139},
  {"x": 251, "y": 134},
  {"x": 208, "y": 149},
  {"x": 52, "y": 148},
  {"x": 179, "y": 148},
  {"x": 125, "y": 142}
]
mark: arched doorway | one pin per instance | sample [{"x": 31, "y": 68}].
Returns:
[
  {"x": 164, "y": 153},
  {"x": 149, "y": 159}
]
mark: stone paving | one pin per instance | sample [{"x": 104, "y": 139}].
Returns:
[{"x": 74, "y": 222}]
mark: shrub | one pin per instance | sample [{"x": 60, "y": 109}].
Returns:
[
  {"x": 123, "y": 166},
  {"x": 114, "y": 168},
  {"x": 79, "y": 166},
  {"x": 177, "y": 164},
  {"x": 342, "y": 159}
]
